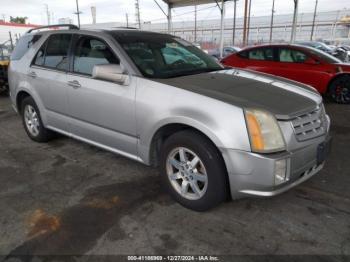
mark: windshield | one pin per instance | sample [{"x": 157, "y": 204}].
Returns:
[
  {"x": 164, "y": 56},
  {"x": 323, "y": 56},
  {"x": 323, "y": 47}
]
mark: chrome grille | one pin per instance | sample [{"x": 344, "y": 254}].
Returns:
[{"x": 310, "y": 125}]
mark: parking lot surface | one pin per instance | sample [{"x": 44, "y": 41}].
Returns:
[{"x": 66, "y": 197}]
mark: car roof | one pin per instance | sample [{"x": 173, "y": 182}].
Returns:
[
  {"x": 117, "y": 31},
  {"x": 273, "y": 45}
]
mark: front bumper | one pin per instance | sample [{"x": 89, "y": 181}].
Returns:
[{"x": 252, "y": 174}]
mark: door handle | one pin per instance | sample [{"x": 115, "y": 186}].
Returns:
[
  {"x": 32, "y": 74},
  {"x": 75, "y": 84}
]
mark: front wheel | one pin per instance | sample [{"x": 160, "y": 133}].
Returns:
[
  {"x": 339, "y": 89},
  {"x": 193, "y": 171}
]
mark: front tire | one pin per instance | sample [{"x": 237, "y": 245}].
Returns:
[
  {"x": 339, "y": 90},
  {"x": 193, "y": 171},
  {"x": 32, "y": 122}
]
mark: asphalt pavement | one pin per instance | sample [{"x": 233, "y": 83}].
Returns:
[{"x": 68, "y": 198}]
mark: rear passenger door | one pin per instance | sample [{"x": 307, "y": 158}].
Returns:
[
  {"x": 48, "y": 76},
  {"x": 100, "y": 111}
]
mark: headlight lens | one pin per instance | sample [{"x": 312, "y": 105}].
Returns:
[{"x": 264, "y": 132}]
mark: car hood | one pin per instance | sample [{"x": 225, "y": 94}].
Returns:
[{"x": 284, "y": 98}]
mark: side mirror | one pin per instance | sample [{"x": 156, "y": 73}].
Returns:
[{"x": 111, "y": 72}]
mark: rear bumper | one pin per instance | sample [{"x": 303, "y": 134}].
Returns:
[{"x": 252, "y": 174}]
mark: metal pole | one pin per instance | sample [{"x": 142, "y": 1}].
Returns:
[
  {"x": 137, "y": 13},
  {"x": 195, "y": 23},
  {"x": 295, "y": 19},
  {"x": 313, "y": 21},
  {"x": 11, "y": 42},
  {"x": 234, "y": 21},
  {"x": 127, "y": 19},
  {"x": 169, "y": 19},
  {"x": 47, "y": 14},
  {"x": 78, "y": 13},
  {"x": 222, "y": 28},
  {"x": 272, "y": 13},
  {"x": 248, "y": 27},
  {"x": 335, "y": 25},
  {"x": 245, "y": 22}
]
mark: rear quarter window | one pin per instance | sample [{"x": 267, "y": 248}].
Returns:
[{"x": 24, "y": 43}]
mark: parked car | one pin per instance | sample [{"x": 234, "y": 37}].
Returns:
[
  {"x": 339, "y": 53},
  {"x": 213, "y": 132},
  {"x": 347, "y": 49},
  {"x": 4, "y": 62},
  {"x": 228, "y": 50},
  {"x": 300, "y": 63}
]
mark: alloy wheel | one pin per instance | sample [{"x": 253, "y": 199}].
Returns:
[
  {"x": 186, "y": 173},
  {"x": 31, "y": 119}
]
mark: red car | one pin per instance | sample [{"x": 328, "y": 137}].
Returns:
[{"x": 303, "y": 64}]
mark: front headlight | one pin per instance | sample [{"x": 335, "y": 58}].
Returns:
[{"x": 264, "y": 132}]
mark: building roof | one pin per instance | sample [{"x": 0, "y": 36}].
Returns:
[
  {"x": 17, "y": 25},
  {"x": 182, "y": 3}
]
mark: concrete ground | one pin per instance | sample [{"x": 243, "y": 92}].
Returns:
[{"x": 66, "y": 197}]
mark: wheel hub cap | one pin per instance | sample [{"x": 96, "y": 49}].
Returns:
[
  {"x": 187, "y": 173},
  {"x": 31, "y": 120}
]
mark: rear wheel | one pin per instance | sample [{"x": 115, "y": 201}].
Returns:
[
  {"x": 32, "y": 121},
  {"x": 339, "y": 89},
  {"x": 193, "y": 171}
]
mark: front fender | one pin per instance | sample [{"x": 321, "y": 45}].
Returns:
[
  {"x": 147, "y": 138},
  {"x": 159, "y": 105}
]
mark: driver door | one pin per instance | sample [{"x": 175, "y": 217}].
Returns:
[
  {"x": 101, "y": 112},
  {"x": 297, "y": 65}
]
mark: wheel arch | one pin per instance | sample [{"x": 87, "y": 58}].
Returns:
[
  {"x": 21, "y": 95},
  {"x": 24, "y": 92},
  {"x": 335, "y": 77},
  {"x": 167, "y": 129}
]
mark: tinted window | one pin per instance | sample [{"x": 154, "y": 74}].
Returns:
[
  {"x": 291, "y": 56},
  {"x": 243, "y": 54},
  {"x": 56, "y": 55},
  {"x": 261, "y": 54},
  {"x": 23, "y": 45},
  {"x": 89, "y": 52}
]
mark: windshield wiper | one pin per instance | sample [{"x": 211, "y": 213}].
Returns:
[{"x": 195, "y": 72}]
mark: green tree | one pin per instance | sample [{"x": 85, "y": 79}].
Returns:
[{"x": 18, "y": 19}]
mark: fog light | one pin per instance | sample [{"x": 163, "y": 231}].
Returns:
[{"x": 280, "y": 171}]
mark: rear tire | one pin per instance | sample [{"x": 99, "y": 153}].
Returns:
[
  {"x": 32, "y": 122},
  {"x": 193, "y": 171},
  {"x": 339, "y": 90}
]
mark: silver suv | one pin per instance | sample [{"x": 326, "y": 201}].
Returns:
[{"x": 214, "y": 132}]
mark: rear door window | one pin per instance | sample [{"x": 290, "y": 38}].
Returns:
[
  {"x": 56, "y": 55},
  {"x": 24, "y": 43}
]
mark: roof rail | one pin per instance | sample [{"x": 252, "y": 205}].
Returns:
[
  {"x": 70, "y": 26},
  {"x": 124, "y": 27}
]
